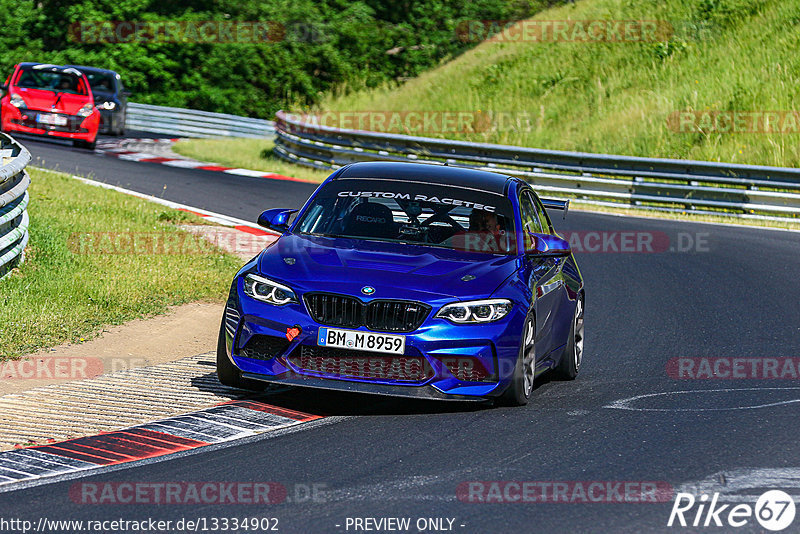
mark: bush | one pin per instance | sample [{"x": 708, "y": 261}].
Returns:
[{"x": 316, "y": 46}]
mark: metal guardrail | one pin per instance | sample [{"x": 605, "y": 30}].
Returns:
[
  {"x": 14, "y": 183},
  {"x": 748, "y": 191},
  {"x": 193, "y": 123}
]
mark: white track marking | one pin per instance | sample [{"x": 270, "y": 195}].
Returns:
[
  {"x": 185, "y": 163},
  {"x": 745, "y": 484},
  {"x": 626, "y": 404},
  {"x": 246, "y": 172}
]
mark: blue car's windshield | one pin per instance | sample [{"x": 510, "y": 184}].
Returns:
[
  {"x": 412, "y": 212},
  {"x": 102, "y": 82}
]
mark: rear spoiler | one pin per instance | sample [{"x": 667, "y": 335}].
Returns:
[{"x": 554, "y": 204}]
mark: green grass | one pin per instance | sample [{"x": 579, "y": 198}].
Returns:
[
  {"x": 63, "y": 294},
  {"x": 255, "y": 154},
  {"x": 615, "y": 98},
  {"x": 732, "y": 55}
]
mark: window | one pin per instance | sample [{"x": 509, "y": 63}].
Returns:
[
  {"x": 530, "y": 219},
  {"x": 102, "y": 82},
  {"x": 412, "y": 212},
  {"x": 547, "y": 226},
  {"x": 51, "y": 80}
]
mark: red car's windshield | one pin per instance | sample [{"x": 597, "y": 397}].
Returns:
[{"x": 48, "y": 80}]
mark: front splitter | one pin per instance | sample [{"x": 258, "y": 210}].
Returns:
[{"x": 415, "y": 392}]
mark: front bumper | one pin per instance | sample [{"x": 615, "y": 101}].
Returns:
[
  {"x": 441, "y": 360},
  {"x": 24, "y": 121}
]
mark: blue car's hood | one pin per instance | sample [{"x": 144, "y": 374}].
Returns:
[{"x": 310, "y": 263}]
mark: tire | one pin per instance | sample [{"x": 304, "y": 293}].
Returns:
[
  {"x": 572, "y": 357},
  {"x": 228, "y": 374},
  {"x": 80, "y": 143},
  {"x": 521, "y": 387}
]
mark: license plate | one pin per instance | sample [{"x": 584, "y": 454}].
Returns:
[
  {"x": 54, "y": 120},
  {"x": 357, "y": 340}
]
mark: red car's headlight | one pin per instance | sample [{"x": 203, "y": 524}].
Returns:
[{"x": 16, "y": 101}]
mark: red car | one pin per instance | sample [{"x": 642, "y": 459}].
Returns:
[{"x": 50, "y": 100}]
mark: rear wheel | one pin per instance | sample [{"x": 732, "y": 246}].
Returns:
[
  {"x": 229, "y": 374},
  {"x": 120, "y": 129},
  {"x": 519, "y": 392},
  {"x": 572, "y": 358}
]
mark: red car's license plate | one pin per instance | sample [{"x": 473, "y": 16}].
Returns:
[{"x": 51, "y": 119}]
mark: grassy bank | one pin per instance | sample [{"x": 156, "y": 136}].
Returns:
[
  {"x": 616, "y": 97},
  {"x": 720, "y": 56},
  {"x": 255, "y": 154},
  {"x": 712, "y": 58},
  {"x": 78, "y": 276}
]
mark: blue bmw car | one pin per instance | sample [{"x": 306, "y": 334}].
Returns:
[{"x": 411, "y": 280}]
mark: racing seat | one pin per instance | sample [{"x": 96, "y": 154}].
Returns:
[{"x": 371, "y": 219}]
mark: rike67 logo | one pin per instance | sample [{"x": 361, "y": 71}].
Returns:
[{"x": 774, "y": 510}]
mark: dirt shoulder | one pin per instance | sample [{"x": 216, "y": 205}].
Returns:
[{"x": 184, "y": 331}]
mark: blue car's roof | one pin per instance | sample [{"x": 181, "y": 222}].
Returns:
[
  {"x": 437, "y": 174},
  {"x": 81, "y": 68},
  {"x": 91, "y": 69},
  {"x": 53, "y": 66}
]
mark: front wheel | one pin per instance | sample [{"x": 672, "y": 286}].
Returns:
[
  {"x": 572, "y": 358},
  {"x": 80, "y": 143},
  {"x": 519, "y": 392}
]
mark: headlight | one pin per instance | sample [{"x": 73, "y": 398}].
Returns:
[
  {"x": 16, "y": 101},
  {"x": 476, "y": 311},
  {"x": 107, "y": 105},
  {"x": 86, "y": 110},
  {"x": 266, "y": 290}
]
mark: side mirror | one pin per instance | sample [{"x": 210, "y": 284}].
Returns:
[
  {"x": 275, "y": 219},
  {"x": 548, "y": 245}
]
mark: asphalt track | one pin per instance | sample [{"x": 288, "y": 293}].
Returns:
[{"x": 734, "y": 295}]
